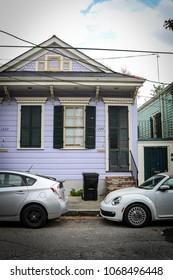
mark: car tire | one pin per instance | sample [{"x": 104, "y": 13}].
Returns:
[
  {"x": 34, "y": 216},
  {"x": 136, "y": 215}
]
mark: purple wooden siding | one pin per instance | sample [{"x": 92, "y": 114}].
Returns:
[{"x": 63, "y": 164}]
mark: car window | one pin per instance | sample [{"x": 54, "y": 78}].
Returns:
[
  {"x": 11, "y": 180},
  {"x": 151, "y": 182},
  {"x": 169, "y": 182},
  {"x": 2, "y": 177},
  {"x": 29, "y": 181}
]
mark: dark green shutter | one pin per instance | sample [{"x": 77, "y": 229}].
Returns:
[
  {"x": 30, "y": 127},
  {"x": 90, "y": 129},
  {"x": 58, "y": 127}
]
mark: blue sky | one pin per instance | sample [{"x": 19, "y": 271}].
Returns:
[
  {"x": 93, "y": 2},
  {"x": 150, "y": 3}
]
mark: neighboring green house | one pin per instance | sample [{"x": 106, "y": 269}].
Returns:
[{"x": 155, "y": 134}]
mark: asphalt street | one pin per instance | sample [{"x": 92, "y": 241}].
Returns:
[{"x": 90, "y": 238}]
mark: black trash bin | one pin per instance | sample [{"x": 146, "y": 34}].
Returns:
[{"x": 90, "y": 186}]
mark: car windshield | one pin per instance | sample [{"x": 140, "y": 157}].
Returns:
[{"x": 151, "y": 182}]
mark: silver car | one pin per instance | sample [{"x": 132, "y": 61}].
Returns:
[{"x": 32, "y": 199}]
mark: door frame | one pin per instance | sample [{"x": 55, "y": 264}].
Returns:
[
  {"x": 107, "y": 129},
  {"x": 154, "y": 143}
]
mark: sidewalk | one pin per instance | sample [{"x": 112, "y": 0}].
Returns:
[{"x": 79, "y": 207}]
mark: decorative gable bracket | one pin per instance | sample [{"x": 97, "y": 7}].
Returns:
[
  {"x": 135, "y": 92},
  {"x": 52, "y": 93},
  {"x": 97, "y": 94},
  {"x": 7, "y": 93}
]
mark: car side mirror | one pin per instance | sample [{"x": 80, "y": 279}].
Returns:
[{"x": 164, "y": 188}]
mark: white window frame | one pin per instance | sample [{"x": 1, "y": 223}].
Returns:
[
  {"x": 81, "y": 102},
  {"x": 30, "y": 101},
  {"x": 58, "y": 57},
  {"x": 66, "y": 146},
  {"x": 41, "y": 62},
  {"x": 117, "y": 102},
  {"x": 69, "y": 65}
]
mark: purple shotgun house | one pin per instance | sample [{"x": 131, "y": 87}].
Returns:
[{"x": 65, "y": 114}]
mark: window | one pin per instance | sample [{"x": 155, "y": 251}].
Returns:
[
  {"x": 41, "y": 66},
  {"x": 66, "y": 66},
  {"x": 53, "y": 63},
  {"x": 30, "y": 123},
  {"x": 74, "y": 126},
  {"x": 156, "y": 126},
  {"x": 169, "y": 182}
]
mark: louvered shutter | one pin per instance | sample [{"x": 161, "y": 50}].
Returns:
[
  {"x": 58, "y": 127},
  {"x": 90, "y": 128}
]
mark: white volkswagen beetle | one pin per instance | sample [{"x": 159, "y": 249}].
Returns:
[{"x": 136, "y": 206}]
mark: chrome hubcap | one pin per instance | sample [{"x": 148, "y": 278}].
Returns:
[{"x": 137, "y": 215}]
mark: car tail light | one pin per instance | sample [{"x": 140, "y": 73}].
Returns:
[{"x": 56, "y": 189}]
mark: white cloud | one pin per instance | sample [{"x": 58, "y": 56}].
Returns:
[{"x": 119, "y": 24}]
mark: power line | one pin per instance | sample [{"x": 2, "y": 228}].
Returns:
[
  {"x": 90, "y": 49},
  {"x": 101, "y": 67},
  {"x": 83, "y": 60},
  {"x": 85, "y": 48}
]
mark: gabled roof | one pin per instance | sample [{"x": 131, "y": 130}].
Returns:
[{"x": 64, "y": 48}]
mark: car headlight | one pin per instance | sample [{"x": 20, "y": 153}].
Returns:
[{"x": 116, "y": 200}]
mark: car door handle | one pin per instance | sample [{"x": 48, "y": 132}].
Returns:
[{"x": 20, "y": 192}]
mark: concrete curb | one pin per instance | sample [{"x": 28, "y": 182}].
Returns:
[{"x": 82, "y": 212}]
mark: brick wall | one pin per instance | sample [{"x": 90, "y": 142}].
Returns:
[{"x": 118, "y": 182}]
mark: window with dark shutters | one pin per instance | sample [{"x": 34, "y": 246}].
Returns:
[
  {"x": 30, "y": 127},
  {"x": 60, "y": 128}
]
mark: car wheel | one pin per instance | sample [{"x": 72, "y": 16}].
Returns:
[
  {"x": 34, "y": 216},
  {"x": 136, "y": 215}
]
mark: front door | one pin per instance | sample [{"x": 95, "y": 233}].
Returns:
[{"x": 118, "y": 139}]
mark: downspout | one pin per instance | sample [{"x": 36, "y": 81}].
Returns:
[{"x": 161, "y": 111}]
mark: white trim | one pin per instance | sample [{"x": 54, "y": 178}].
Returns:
[
  {"x": 65, "y": 146},
  {"x": 30, "y": 101},
  {"x": 113, "y": 100},
  {"x": 69, "y": 65},
  {"x": 83, "y": 101},
  {"x": 37, "y": 65},
  {"x": 56, "y": 42},
  {"x": 59, "y": 60}
]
